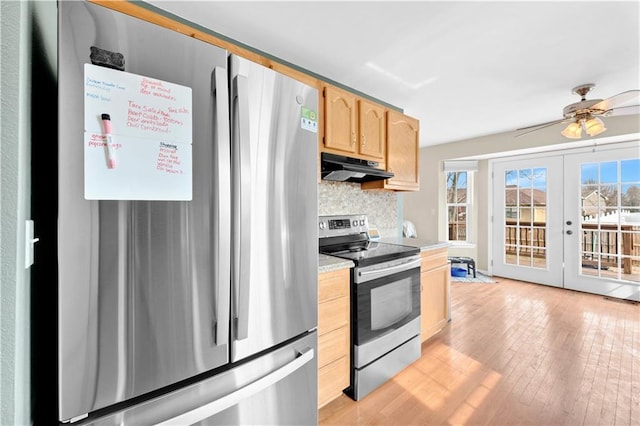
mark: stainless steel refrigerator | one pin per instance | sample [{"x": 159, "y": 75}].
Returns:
[{"x": 193, "y": 308}]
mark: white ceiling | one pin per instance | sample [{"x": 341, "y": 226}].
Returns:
[{"x": 465, "y": 69}]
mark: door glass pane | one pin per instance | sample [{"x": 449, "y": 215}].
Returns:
[
  {"x": 630, "y": 170},
  {"x": 630, "y": 195},
  {"x": 631, "y": 268},
  {"x": 540, "y": 258},
  {"x": 538, "y": 234},
  {"x": 589, "y": 173},
  {"x": 524, "y": 257},
  {"x": 525, "y": 238},
  {"x": 540, "y": 178},
  {"x": 591, "y": 269},
  {"x": 590, "y": 200},
  {"x": 630, "y": 247},
  {"x": 540, "y": 216},
  {"x": 610, "y": 200},
  {"x": 608, "y": 195},
  {"x": 608, "y": 242},
  {"x": 609, "y": 172},
  {"x": 525, "y": 198},
  {"x": 525, "y": 217},
  {"x": 590, "y": 236}
]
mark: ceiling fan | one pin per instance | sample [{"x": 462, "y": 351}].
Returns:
[{"x": 584, "y": 115}]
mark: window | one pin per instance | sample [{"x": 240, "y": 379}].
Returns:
[{"x": 459, "y": 179}]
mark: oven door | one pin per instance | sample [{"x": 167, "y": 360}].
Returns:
[{"x": 387, "y": 299}]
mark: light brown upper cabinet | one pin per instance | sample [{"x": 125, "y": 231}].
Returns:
[
  {"x": 402, "y": 154},
  {"x": 353, "y": 126},
  {"x": 373, "y": 131}
]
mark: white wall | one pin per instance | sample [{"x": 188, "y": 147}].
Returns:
[
  {"x": 16, "y": 20},
  {"x": 426, "y": 208},
  {"x": 14, "y": 197}
]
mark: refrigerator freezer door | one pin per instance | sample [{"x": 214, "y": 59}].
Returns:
[
  {"x": 279, "y": 388},
  {"x": 274, "y": 154},
  {"x": 140, "y": 300}
]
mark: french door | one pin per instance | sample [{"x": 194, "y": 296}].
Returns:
[
  {"x": 570, "y": 221},
  {"x": 527, "y": 220},
  {"x": 602, "y": 223}
]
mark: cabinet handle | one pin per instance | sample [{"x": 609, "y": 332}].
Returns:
[
  {"x": 364, "y": 140},
  {"x": 353, "y": 138}
]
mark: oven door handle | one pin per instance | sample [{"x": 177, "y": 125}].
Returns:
[{"x": 414, "y": 262}]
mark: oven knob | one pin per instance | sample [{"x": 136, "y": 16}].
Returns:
[
  {"x": 355, "y": 223},
  {"x": 361, "y": 222},
  {"x": 322, "y": 225}
]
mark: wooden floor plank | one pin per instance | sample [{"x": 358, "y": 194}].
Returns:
[{"x": 515, "y": 353}]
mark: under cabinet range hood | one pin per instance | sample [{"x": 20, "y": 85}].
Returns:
[{"x": 346, "y": 169}]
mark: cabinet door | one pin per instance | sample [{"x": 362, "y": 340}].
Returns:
[
  {"x": 340, "y": 121},
  {"x": 333, "y": 335},
  {"x": 373, "y": 131},
  {"x": 402, "y": 154},
  {"x": 402, "y": 151},
  {"x": 434, "y": 306}
]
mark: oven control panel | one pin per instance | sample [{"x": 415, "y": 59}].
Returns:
[{"x": 333, "y": 226}]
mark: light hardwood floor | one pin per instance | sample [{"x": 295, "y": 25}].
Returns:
[{"x": 515, "y": 354}]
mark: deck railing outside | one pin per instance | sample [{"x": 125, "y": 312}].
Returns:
[
  {"x": 596, "y": 240},
  {"x": 529, "y": 238}
]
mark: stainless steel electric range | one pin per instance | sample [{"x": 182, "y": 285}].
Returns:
[{"x": 385, "y": 300}]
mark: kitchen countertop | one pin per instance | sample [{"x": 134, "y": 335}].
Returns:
[
  {"x": 423, "y": 245},
  {"x": 329, "y": 263}
]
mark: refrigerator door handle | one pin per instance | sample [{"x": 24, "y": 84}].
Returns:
[
  {"x": 205, "y": 411},
  {"x": 242, "y": 205},
  {"x": 220, "y": 89}
]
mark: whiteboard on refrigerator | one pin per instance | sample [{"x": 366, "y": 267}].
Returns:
[{"x": 138, "y": 137}]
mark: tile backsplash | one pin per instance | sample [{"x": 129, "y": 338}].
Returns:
[{"x": 381, "y": 207}]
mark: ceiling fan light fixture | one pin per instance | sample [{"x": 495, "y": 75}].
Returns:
[
  {"x": 594, "y": 126},
  {"x": 583, "y": 115},
  {"x": 573, "y": 131}
]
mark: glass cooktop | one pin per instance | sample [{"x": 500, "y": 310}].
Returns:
[{"x": 369, "y": 252}]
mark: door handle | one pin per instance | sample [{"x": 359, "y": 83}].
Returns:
[
  {"x": 242, "y": 207},
  {"x": 222, "y": 226},
  {"x": 395, "y": 268},
  {"x": 214, "y": 407}
]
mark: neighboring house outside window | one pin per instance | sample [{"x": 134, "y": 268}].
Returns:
[
  {"x": 526, "y": 201},
  {"x": 459, "y": 198}
]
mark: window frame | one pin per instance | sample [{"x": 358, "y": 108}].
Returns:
[{"x": 468, "y": 204}]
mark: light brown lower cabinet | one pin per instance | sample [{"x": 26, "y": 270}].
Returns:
[
  {"x": 333, "y": 335},
  {"x": 435, "y": 280}
]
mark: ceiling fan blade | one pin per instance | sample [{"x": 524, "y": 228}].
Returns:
[
  {"x": 626, "y": 110},
  {"x": 540, "y": 127},
  {"x": 618, "y": 100}
]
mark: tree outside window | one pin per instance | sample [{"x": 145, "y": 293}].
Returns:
[{"x": 458, "y": 205}]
